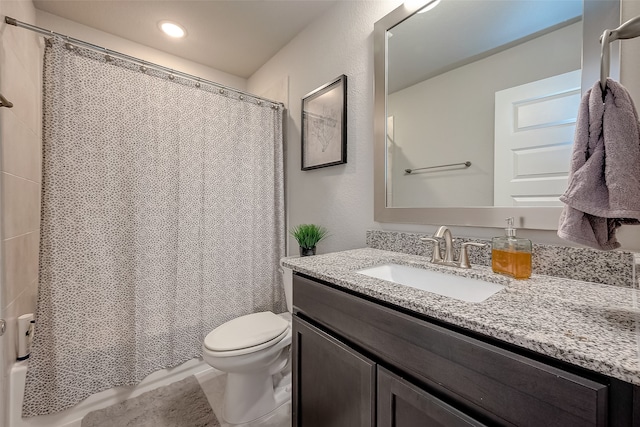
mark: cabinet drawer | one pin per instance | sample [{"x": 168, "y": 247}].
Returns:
[{"x": 507, "y": 388}]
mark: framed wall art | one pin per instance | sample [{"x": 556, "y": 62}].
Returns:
[{"x": 324, "y": 125}]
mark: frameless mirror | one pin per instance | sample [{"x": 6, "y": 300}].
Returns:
[{"x": 476, "y": 104}]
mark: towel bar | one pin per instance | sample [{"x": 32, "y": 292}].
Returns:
[{"x": 465, "y": 164}]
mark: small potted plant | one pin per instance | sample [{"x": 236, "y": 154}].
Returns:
[{"x": 308, "y": 235}]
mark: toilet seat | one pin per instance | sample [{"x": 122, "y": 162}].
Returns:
[
  {"x": 246, "y": 334},
  {"x": 247, "y": 350}
]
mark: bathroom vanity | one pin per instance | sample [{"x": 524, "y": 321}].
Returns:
[{"x": 542, "y": 352}]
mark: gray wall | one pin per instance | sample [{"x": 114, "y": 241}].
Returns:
[{"x": 341, "y": 197}]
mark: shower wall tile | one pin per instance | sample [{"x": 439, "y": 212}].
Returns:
[
  {"x": 21, "y": 148},
  {"x": 21, "y": 263},
  {"x": 21, "y": 135},
  {"x": 23, "y": 304},
  {"x": 10, "y": 344},
  {"x": 21, "y": 202},
  {"x": 16, "y": 85},
  {"x": 19, "y": 41}
]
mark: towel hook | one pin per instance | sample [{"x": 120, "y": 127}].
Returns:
[
  {"x": 604, "y": 59},
  {"x": 4, "y": 102},
  {"x": 628, "y": 30}
]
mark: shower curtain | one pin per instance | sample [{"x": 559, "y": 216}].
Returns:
[{"x": 162, "y": 218}]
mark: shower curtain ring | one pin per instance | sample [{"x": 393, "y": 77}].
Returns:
[
  {"x": 68, "y": 44},
  {"x": 107, "y": 57}
]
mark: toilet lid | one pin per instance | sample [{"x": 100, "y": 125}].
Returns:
[{"x": 246, "y": 331}]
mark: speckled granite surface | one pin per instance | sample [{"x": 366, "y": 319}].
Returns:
[
  {"x": 612, "y": 268},
  {"x": 591, "y": 325}
]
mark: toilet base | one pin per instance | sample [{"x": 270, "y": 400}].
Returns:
[
  {"x": 250, "y": 396},
  {"x": 257, "y": 382}
]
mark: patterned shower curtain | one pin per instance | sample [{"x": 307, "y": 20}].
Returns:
[{"x": 162, "y": 218}]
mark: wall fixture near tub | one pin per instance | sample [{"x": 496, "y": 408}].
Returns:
[
  {"x": 4, "y": 102},
  {"x": 324, "y": 125}
]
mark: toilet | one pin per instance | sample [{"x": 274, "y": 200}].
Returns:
[{"x": 254, "y": 351}]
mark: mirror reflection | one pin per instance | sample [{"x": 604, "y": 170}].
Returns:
[{"x": 482, "y": 98}]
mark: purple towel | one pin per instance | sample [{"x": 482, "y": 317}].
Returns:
[{"x": 604, "y": 180}]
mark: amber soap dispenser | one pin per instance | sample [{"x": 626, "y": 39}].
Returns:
[{"x": 511, "y": 255}]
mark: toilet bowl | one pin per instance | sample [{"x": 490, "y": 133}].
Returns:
[{"x": 254, "y": 351}]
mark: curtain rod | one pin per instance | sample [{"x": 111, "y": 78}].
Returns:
[{"x": 45, "y": 32}]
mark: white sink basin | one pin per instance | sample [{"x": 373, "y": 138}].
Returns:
[{"x": 449, "y": 285}]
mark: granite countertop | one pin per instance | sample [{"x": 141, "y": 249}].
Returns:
[{"x": 591, "y": 325}]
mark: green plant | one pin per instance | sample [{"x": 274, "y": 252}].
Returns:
[{"x": 308, "y": 235}]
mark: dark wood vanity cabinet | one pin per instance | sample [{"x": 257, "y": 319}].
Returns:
[{"x": 358, "y": 362}]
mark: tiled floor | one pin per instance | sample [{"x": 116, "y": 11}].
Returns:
[{"x": 213, "y": 385}]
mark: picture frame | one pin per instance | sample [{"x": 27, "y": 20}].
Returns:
[{"x": 324, "y": 125}]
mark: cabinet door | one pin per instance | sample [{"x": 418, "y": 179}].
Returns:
[
  {"x": 401, "y": 404},
  {"x": 333, "y": 385}
]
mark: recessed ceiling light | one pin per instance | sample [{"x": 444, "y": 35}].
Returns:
[{"x": 172, "y": 29}]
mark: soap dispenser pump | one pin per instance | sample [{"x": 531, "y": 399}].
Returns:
[{"x": 511, "y": 255}]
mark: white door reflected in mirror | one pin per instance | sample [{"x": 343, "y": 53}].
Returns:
[{"x": 535, "y": 126}]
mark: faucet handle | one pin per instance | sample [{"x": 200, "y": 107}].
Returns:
[
  {"x": 464, "y": 256},
  {"x": 435, "y": 257}
]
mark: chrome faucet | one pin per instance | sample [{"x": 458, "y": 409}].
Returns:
[{"x": 444, "y": 233}]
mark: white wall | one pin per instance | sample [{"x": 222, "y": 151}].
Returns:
[
  {"x": 629, "y": 77},
  {"x": 630, "y": 53},
  {"x": 341, "y": 197},
  {"x": 338, "y": 197},
  {"x": 118, "y": 44},
  {"x": 426, "y": 132}
]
